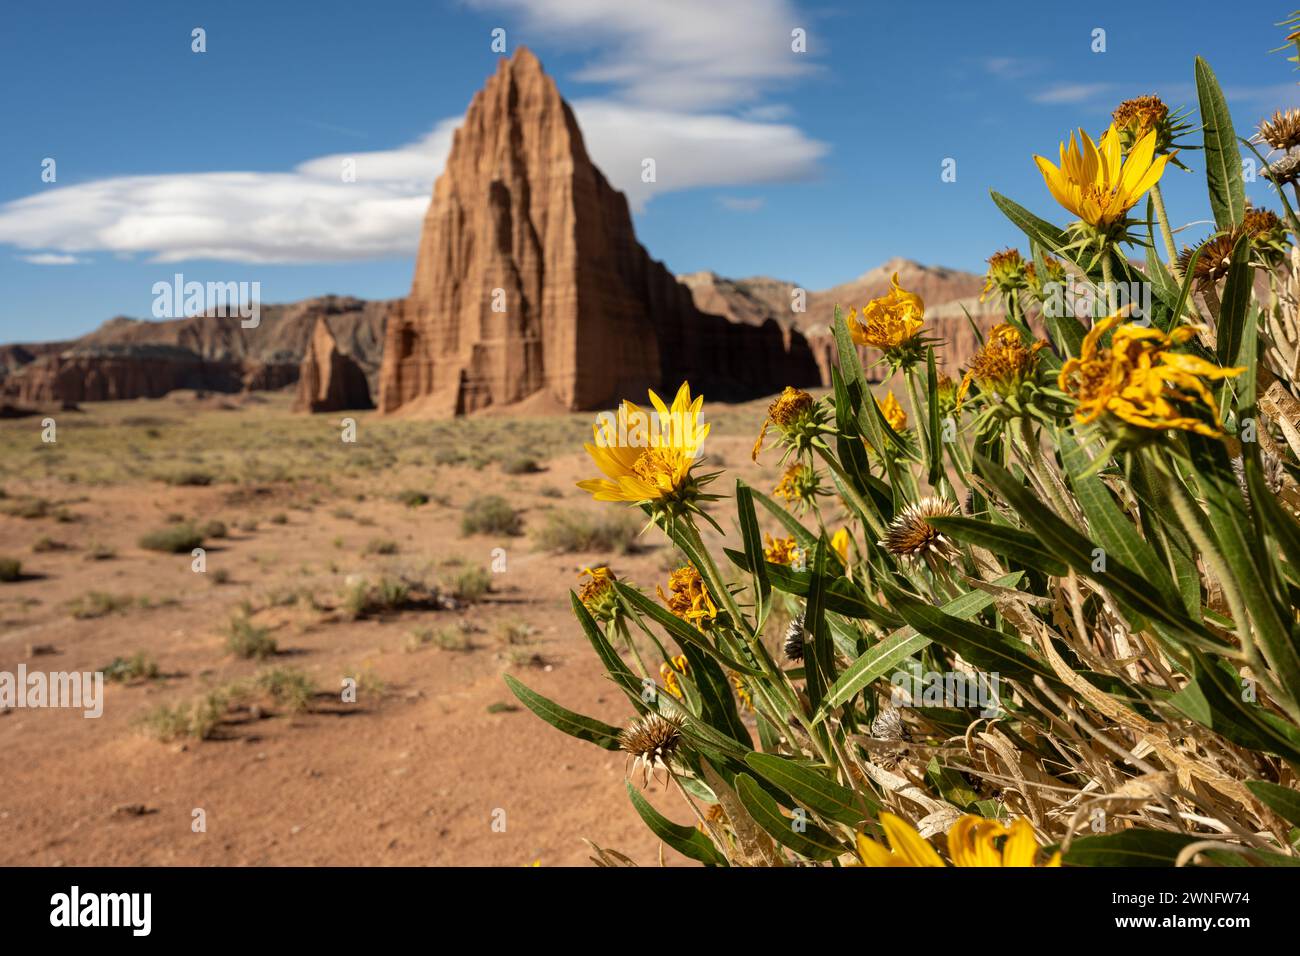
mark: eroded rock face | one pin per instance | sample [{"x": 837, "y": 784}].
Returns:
[
  {"x": 530, "y": 284},
  {"x": 328, "y": 380}
]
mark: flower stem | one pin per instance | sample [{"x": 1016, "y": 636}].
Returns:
[
  {"x": 1171, "y": 250},
  {"x": 1108, "y": 280}
]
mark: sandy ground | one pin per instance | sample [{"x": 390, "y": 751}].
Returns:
[{"x": 425, "y": 766}]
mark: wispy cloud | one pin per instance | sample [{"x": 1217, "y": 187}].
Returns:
[
  {"x": 1008, "y": 67},
  {"x": 53, "y": 259},
  {"x": 686, "y": 85},
  {"x": 1071, "y": 93},
  {"x": 742, "y": 203}
]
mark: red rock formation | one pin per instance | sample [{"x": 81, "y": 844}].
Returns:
[
  {"x": 530, "y": 282},
  {"x": 328, "y": 380}
]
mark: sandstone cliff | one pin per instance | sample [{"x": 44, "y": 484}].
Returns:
[
  {"x": 530, "y": 283},
  {"x": 329, "y": 380}
]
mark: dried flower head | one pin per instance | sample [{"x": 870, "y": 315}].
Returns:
[
  {"x": 1281, "y": 130},
  {"x": 1008, "y": 273},
  {"x": 792, "y": 645},
  {"x": 910, "y": 535},
  {"x": 1284, "y": 171},
  {"x": 1136, "y": 117},
  {"x": 652, "y": 740},
  {"x": 1003, "y": 363},
  {"x": 1213, "y": 261}
]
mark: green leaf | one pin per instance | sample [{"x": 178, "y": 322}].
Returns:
[
  {"x": 1114, "y": 532},
  {"x": 1222, "y": 161},
  {"x": 934, "y": 447},
  {"x": 802, "y": 536},
  {"x": 679, "y": 629},
  {"x": 754, "y": 550},
  {"x": 1235, "y": 309},
  {"x": 1283, "y": 801},
  {"x": 614, "y": 665},
  {"x": 815, "y": 790},
  {"x": 1213, "y": 699},
  {"x": 986, "y": 648},
  {"x": 575, "y": 725},
  {"x": 1128, "y": 848},
  {"x": 687, "y": 841},
  {"x": 900, "y": 645},
  {"x": 819, "y": 655},
  {"x": 814, "y": 843},
  {"x": 1012, "y": 543}
]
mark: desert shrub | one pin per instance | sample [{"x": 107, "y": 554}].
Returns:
[
  {"x": 471, "y": 584},
  {"x": 99, "y": 604},
  {"x": 573, "y": 531},
  {"x": 11, "y": 569},
  {"x": 139, "y": 666},
  {"x": 412, "y": 498},
  {"x": 30, "y": 508},
  {"x": 198, "y": 719},
  {"x": 214, "y": 529},
  {"x": 97, "y": 551},
  {"x": 1025, "y": 598},
  {"x": 279, "y": 518},
  {"x": 287, "y": 686},
  {"x": 380, "y": 546},
  {"x": 490, "y": 515},
  {"x": 246, "y": 640},
  {"x": 176, "y": 539},
  {"x": 365, "y": 598},
  {"x": 520, "y": 465},
  {"x": 192, "y": 477},
  {"x": 43, "y": 545},
  {"x": 220, "y": 576}
]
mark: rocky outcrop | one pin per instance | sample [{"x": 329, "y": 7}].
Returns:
[
  {"x": 132, "y": 358},
  {"x": 530, "y": 285},
  {"x": 328, "y": 380},
  {"x": 949, "y": 294}
]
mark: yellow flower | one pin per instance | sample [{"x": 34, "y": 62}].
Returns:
[
  {"x": 689, "y": 599},
  {"x": 906, "y": 847},
  {"x": 781, "y": 550},
  {"x": 1007, "y": 273},
  {"x": 742, "y": 691},
  {"x": 598, "y": 595},
  {"x": 890, "y": 323},
  {"x": 1139, "y": 381},
  {"x": 669, "y": 670},
  {"x": 1094, "y": 181},
  {"x": 792, "y": 409},
  {"x": 799, "y": 486},
  {"x": 647, "y": 457},
  {"x": 893, "y": 412},
  {"x": 840, "y": 542},
  {"x": 971, "y": 842}
]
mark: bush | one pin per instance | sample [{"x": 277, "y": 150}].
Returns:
[
  {"x": 412, "y": 498},
  {"x": 139, "y": 666},
  {"x": 99, "y": 604},
  {"x": 193, "y": 477},
  {"x": 214, "y": 529},
  {"x": 176, "y": 539},
  {"x": 521, "y": 465},
  {"x": 574, "y": 531},
  {"x": 380, "y": 546},
  {"x": 246, "y": 640},
  {"x": 472, "y": 585},
  {"x": 490, "y": 515},
  {"x": 11, "y": 569}
]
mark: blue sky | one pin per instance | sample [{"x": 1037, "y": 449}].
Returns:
[{"x": 812, "y": 167}]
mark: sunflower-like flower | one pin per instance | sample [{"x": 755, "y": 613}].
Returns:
[
  {"x": 910, "y": 535},
  {"x": 1281, "y": 130},
  {"x": 1008, "y": 273},
  {"x": 1096, "y": 183},
  {"x": 782, "y": 551},
  {"x": 1213, "y": 261},
  {"x": 799, "y": 486},
  {"x": 598, "y": 595},
  {"x": 892, "y": 323},
  {"x": 1268, "y": 236},
  {"x": 1054, "y": 274},
  {"x": 1003, "y": 365},
  {"x": 1139, "y": 381},
  {"x": 840, "y": 542},
  {"x": 647, "y": 458},
  {"x": 893, "y": 412},
  {"x": 796, "y": 414},
  {"x": 972, "y": 841},
  {"x": 1136, "y": 117},
  {"x": 945, "y": 394},
  {"x": 669, "y": 670},
  {"x": 653, "y": 740},
  {"x": 688, "y": 598}
]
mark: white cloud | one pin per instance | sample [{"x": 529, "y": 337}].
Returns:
[
  {"x": 741, "y": 203},
  {"x": 1071, "y": 93},
  {"x": 680, "y": 54},
  {"x": 53, "y": 259},
  {"x": 686, "y": 81}
]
